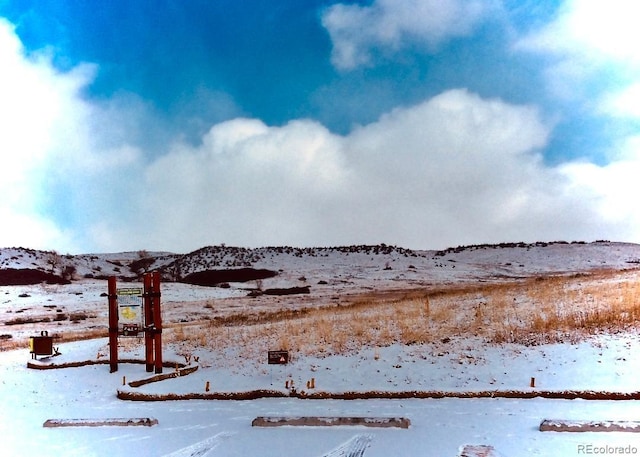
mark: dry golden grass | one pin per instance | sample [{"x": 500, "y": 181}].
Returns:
[
  {"x": 531, "y": 311},
  {"x": 66, "y": 337},
  {"x": 534, "y": 311},
  {"x": 556, "y": 309}
]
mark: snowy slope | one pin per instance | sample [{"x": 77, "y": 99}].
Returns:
[{"x": 381, "y": 261}]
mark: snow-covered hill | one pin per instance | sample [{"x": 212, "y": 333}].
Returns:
[
  {"x": 382, "y": 262},
  {"x": 125, "y": 265}
]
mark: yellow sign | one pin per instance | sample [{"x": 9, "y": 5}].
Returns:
[
  {"x": 130, "y": 291},
  {"x": 128, "y": 313}
]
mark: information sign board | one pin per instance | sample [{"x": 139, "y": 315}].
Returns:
[
  {"x": 278, "y": 357},
  {"x": 130, "y": 311}
]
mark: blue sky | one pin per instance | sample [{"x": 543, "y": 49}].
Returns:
[{"x": 424, "y": 123}]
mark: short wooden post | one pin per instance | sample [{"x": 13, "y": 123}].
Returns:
[
  {"x": 207, "y": 386},
  {"x": 533, "y": 382}
]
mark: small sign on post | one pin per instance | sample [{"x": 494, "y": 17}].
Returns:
[
  {"x": 131, "y": 330},
  {"x": 278, "y": 357}
]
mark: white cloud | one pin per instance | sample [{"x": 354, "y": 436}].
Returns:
[
  {"x": 30, "y": 95},
  {"x": 249, "y": 184},
  {"x": 623, "y": 103},
  {"x": 454, "y": 169},
  {"x": 611, "y": 192},
  {"x": 592, "y": 31},
  {"x": 595, "y": 61},
  {"x": 356, "y": 31},
  {"x": 451, "y": 170},
  {"x": 55, "y": 148},
  {"x": 591, "y": 44},
  {"x": 29, "y": 230}
]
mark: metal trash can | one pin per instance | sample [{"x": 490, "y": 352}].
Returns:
[{"x": 41, "y": 345}]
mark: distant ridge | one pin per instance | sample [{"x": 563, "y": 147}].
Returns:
[{"x": 499, "y": 260}]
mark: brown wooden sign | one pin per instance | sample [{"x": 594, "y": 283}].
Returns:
[
  {"x": 278, "y": 357},
  {"x": 131, "y": 330}
]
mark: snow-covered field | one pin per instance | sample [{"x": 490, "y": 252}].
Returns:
[
  {"x": 439, "y": 427},
  {"x": 332, "y": 274}
]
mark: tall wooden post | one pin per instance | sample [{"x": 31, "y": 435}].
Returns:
[
  {"x": 157, "y": 320},
  {"x": 113, "y": 324},
  {"x": 148, "y": 322}
]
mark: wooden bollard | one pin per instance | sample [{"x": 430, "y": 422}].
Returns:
[
  {"x": 124, "y": 380},
  {"x": 286, "y": 384},
  {"x": 313, "y": 383},
  {"x": 533, "y": 382},
  {"x": 207, "y": 386}
]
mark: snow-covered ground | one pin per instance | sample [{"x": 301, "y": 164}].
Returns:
[{"x": 439, "y": 427}]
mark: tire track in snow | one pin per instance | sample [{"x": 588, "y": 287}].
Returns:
[
  {"x": 355, "y": 447},
  {"x": 201, "y": 448}
]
